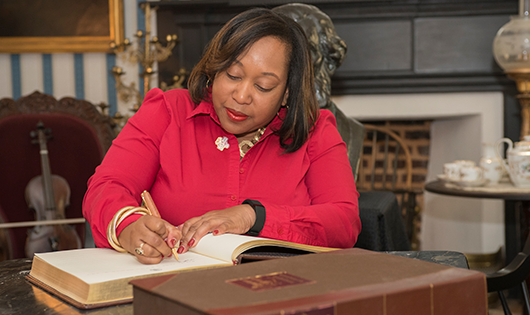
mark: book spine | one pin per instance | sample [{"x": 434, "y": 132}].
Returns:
[{"x": 456, "y": 297}]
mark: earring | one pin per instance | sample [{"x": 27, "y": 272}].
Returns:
[{"x": 207, "y": 83}]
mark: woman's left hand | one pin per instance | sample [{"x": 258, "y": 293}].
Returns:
[{"x": 237, "y": 220}]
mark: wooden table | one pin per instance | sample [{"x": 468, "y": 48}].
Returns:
[{"x": 18, "y": 296}]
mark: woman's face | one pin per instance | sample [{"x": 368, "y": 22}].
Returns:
[{"x": 250, "y": 92}]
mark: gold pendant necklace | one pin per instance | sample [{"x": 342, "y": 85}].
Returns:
[{"x": 245, "y": 145}]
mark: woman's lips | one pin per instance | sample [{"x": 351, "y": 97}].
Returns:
[{"x": 237, "y": 116}]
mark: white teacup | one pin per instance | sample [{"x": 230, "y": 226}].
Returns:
[
  {"x": 465, "y": 163},
  {"x": 471, "y": 173},
  {"x": 452, "y": 171}
]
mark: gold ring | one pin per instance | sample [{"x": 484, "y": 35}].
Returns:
[{"x": 139, "y": 250}]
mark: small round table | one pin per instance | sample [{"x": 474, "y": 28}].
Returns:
[
  {"x": 518, "y": 270},
  {"x": 504, "y": 191}
]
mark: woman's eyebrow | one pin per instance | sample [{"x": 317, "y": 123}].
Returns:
[
  {"x": 271, "y": 74},
  {"x": 264, "y": 73}
]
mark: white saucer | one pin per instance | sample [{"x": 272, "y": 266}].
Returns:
[
  {"x": 444, "y": 178},
  {"x": 472, "y": 183},
  {"x": 463, "y": 183}
]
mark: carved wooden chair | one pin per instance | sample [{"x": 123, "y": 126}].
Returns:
[
  {"x": 386, "y": 165},
  {"x": 81, "y": 137}
]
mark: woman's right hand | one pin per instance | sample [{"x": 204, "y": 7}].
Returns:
[{"x": 151, "y": 232}]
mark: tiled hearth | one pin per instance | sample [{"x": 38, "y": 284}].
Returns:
[{"x": 416, "y": 134}]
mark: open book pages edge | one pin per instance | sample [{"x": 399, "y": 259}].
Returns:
[
  {"x": 228, "y": 247},
  {"x": 55, "y": 278},
  {"x": 94, "y": 274},
  {"x": 84, "y": 301}
]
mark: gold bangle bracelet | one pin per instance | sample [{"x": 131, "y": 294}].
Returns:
[
  {"x": 111, "y": 230},
  {"x": 118, "y": 218}
]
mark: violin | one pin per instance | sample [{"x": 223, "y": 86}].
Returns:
[{"x": 48, "y": 195}]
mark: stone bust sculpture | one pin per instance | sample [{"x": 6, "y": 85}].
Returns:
[{"x": 328, "y": 51}]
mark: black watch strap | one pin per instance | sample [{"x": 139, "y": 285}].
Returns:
[{"x": 260, "y": 216}]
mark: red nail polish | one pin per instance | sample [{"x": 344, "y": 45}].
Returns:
[
  {"x": 215, "y": 232},
  {"x": 180, "y": 250},
  {"x": 191, "y": 242},
  {"x": 173, "y": 242}
]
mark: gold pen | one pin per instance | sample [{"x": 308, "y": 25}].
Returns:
[{"x": 150, "y": 205}]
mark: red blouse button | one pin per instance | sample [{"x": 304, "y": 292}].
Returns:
[
  {"x": 233, "y": 197},
  {"x": 241, "y": 171},
  {"x": 280, "y": 231}
]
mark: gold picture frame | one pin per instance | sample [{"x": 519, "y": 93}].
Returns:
[{"x": 70, "y": 44}]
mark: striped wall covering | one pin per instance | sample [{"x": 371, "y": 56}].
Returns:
[{"x": 81, "y": 75}]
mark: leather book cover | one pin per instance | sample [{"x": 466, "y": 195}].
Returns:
[{"x": 350, "y": 281}]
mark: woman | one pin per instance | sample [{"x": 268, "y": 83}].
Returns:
[{"x": 245, "y": 150}]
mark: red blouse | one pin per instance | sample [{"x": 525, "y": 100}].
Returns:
[{"x": 168, "y": 148}]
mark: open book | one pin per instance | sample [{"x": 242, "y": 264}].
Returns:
[{"x": 98, "y": 277}]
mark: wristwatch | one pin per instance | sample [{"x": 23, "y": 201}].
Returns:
[{"x": 260, "y": 216}]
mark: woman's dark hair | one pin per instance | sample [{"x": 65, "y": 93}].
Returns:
[{"x": 235, "y": 38}]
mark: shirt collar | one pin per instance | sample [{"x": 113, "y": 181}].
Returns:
[{"x": 204, "y": 108}]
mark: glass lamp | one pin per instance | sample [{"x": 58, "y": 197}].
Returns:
[{"x": 511, "y": 49}]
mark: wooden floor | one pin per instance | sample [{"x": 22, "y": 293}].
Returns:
[{"x": 516, "y": 307}]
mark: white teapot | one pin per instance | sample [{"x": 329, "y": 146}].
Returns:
[{"x": 518, "y": 156}]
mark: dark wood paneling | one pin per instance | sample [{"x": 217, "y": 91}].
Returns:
[
  {"x": 460, "y": 44},
  {"x": 376, "y": 45}
]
